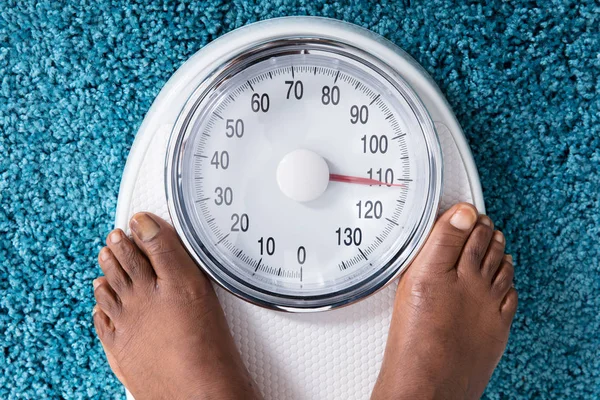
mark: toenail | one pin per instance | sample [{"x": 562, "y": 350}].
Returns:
[
  {"x": 115, "y": 237},
  {"x": 104, "y": 254},
  {"x": 499, "y": 237},
  {"x": 464, "y": 218},
  {"x": 144, "y": 227},
  {"x": 485, "y": 220},
  {"x": 94, "y": 310},
  {"x": 509, "y": 258},
  {"x": 95, "y": 283}
]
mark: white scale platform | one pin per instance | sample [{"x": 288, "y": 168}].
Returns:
[{"x": 329, "y": 355}]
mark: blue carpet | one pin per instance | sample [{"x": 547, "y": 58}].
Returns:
[{"x": 77, "y": 78}]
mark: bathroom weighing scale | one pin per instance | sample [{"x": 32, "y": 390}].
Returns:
[{"x": 303, "y": 162}]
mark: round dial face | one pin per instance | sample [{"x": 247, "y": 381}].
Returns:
[{"x": 305, "y": 178}]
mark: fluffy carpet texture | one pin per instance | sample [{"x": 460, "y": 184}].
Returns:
[{"x": 76, "y": 79}]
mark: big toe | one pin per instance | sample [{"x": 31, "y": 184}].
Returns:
[
  {"x": 159, "y": 242},
  {"x": 447, "y": 239}
]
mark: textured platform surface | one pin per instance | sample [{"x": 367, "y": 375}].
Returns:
[{"x": 331, "y": 355}]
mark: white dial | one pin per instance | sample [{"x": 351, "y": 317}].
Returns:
[{"x": 305, "y": 175}]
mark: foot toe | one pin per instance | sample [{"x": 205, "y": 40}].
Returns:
[
  {"x": 106, "y": 298},
  {"x": 160, "y": 243},
  {"x": 509, "y": 304},
  {"x": 493, "y": 257},
  {"x": 447, "y": 239},
  {"x": 104, "y": 326},
  {"x": 106, "y": 331},
  {"x": 503, "y": 280},
  {"x": 129, "y": 256},
  {"x": 116, "y": 277},
  {"x": 476, "y": 246}
]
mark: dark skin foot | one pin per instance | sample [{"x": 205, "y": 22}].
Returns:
[
  {"x": 452, "y": 314},
  {"x": 160, "y": 322}
]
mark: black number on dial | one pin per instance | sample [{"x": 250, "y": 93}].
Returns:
[
  {"x": 240, "y": 223},
  {"x": 386, "y": 176},
  {"x": 359, "y": 114},
  {"x": 370, "y": 209},
  {"x": 301, "y": 255},
  {"x": 234, "y": 129},
  {"x": 298, "y": 89},
  {"x": 220, "y": 159},
  {"x": 349, "y": 236},
  {"x": 267, "y": 246},
  {"x": 375, "y": 144},
  {"x": 330, "y": 95},
  {"x": 260, "y": 102},
  {"x": 224, "y": 196}
]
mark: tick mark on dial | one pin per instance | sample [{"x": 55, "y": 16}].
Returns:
[
  {"x": 292, "y": 67},
  {"x": 201, "y": 200},
  {"x": 374, "y": 100},
  {"x": 399, "y": 136},
  {"x": 257, "y": 265},
  {"x": 270, "y": 75},
  {"x": 218, "y": 115},
  {"x": 336, "y": 77},
  {"x": 249, "y": 84},
  {"x": 404, "y": 180},
  {"x": 223, "y": 238},
  {"x": 393, "y": 222},
  {"x": 363, "y": 254},
  {"x": 389, "y": 116},
  {"x": 279, "y": 272},
  {"x": 200, "y": 155},
  {"x": 357, "y": 85}
]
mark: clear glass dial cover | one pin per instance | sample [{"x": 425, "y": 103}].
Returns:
[{"x": 304, "y": 176}]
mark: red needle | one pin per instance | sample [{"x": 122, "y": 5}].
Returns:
[{"x": 359, "y": 180}]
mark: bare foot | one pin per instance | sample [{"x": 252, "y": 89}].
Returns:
[
  {"x": 160, "y": 322},
  {"x": 452, "y": 314}
]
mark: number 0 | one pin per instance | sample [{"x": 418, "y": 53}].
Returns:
[{"x": 301, "y": 255}]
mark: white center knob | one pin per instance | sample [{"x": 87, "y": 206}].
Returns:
[{"x": 302, "y": 175}]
